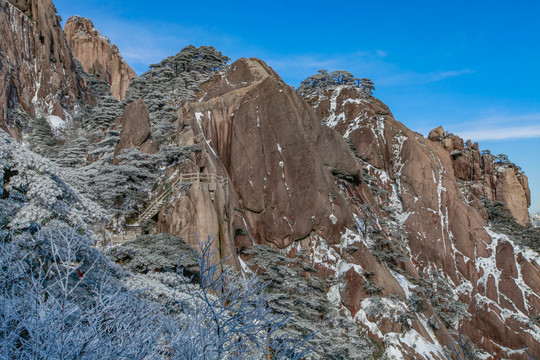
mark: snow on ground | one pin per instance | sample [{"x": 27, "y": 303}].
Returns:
[
  {"x": 56, "y": 122},
  {"x": 404, "y": 283},
  {"x": 199, "y": 117},
  {"x": 48, "y": 194},
  {"x": 413, "y": 340},
  {"x": 374, "y": 309},
  {"x": 489, "y": 267}
]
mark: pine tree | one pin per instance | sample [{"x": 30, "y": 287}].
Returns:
[
  {"x": 103, "y": 115},
  {"x": 367, "y": 85},
  {"x": 42, "y": 137},
  {"x": 73, "y": 154}
]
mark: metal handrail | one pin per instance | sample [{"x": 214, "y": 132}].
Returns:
[
  {"x": 182, "y": 178},
  {"x": 156, "y": 204}
]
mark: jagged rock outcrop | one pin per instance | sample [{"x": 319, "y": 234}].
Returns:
[
  {"x": 203, "y": 210},
  {"x": 494, "y": 277},
  {"x": 284, "y": 169},
  {"x": 289, "y": 182},
  {"x": 38, "y": 74},
  {"x": 482, "y": 174},
  {"x": 98, "y": 56}
]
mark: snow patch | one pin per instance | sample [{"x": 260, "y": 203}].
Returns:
[
  {"x": 244, "y": 267},
  {"x": 415, "y": 341},
  {"x": 404, "y": 283},
  {"x": 198, "y": 116},
  {"x": 489, "y": 266},
  {"x": 56, "y": 122}
]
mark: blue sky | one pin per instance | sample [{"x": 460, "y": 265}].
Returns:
[{"x": 471, "y": 66}]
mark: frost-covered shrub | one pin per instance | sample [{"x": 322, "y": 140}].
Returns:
[
  {"x": 106, "y": 145},
  {"x": 213, "y": 311},
  {"x": 463, "y": 349},
  {"x": 228, "y": 316},
  {"x": 502, "y": 220},
  {"x": 170, "y": 155},
  {"x": 40, "y": 189},
  {"x": 387, "y": 250},
  {"x": 103, "y": 114},
  {"x": 292, "y": 292},
  {"x": 41, "y": 138},
  {"x": 443, "y": 298},
  {"x": 319, "y": 83},
  {"x": 156, "y": 253},
  {"x": 201, "y": 59},
  {"x": 169, "y": 84},
  {"x": 61, "y": 299},
  {"x": 176, "y": 77},
  {"x": 121, "y": 188},
  {"x": 74, "y": 153}
]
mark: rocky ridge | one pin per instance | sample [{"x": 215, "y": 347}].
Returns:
[
  {"x": 385, "y": 230},
  {"x": 481, "y": 174},
  {"x": 98, "y": 55},
  {"x": 445, "y": 234},
  {"x": 38, "y": 74},
  {"x": 363, "y": 188}
]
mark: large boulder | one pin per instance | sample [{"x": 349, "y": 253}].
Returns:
[
  {"x": 436, "y": 134},
  {"x": 135, "y": 123},
  {"x": 279, "y": 157}
]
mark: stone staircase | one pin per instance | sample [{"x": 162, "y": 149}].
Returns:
[
  {"x": 173, "y": 186},
  {"x": 131, "y": 233}
]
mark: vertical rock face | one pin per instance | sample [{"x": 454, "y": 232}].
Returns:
[
  {"x": 203, "y": 210},
  {"x": 482, "y": 174},
  {"x": 98, "y": 56},
  {"x": 38, "y": 75},
  {"x": 294, "y": 184},
  {"x": 280, "y": 159}
]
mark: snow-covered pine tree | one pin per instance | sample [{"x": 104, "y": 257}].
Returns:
[
  {"x": 41, "y": 138},
  {"x": 74, "y": 153},
  {"x": 103, "y": 115}
]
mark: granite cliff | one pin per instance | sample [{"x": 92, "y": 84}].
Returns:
[
  {"x": 97, "y": 55},
  {"x": 38, "y": 73},
  {"x": 445, "y": 234},
  {"x": 393, "y": 230},
  {"x": 481, "y": 174}
]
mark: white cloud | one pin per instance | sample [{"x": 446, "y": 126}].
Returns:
[
  {"x": 381, "y": 53},
  {"x": 414, "y": 78},
  {"x": 502, "y": 133},
  {"x": 500, "y": 127}
]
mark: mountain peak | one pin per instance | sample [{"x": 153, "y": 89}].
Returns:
[{"x": 98, "y": 55}]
